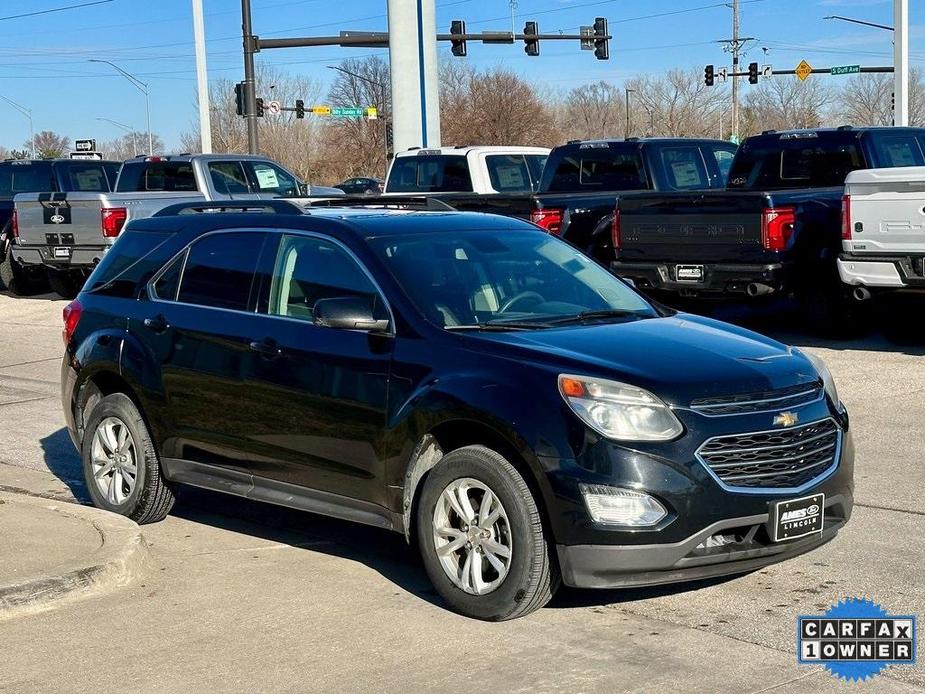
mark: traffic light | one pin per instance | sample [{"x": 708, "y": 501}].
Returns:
[
  {"x": 259, "y": 107},
  {"x": 531, "y": 45},
  {"x": 299, "y": 108},
  {"x": 753, "y": 73},
  {"x": 708, "y": 76},
  {"x": 240, "y": 103},
  {"x": 458, "y": 28},
  {"x": 601, "y": 39}
]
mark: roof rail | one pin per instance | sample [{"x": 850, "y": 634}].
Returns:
[
  {"x": 271, "y": 206},
  {"x": 573, "y": 142},
  {"x": 400, "y": 202},
  {"x": 845, "y": 127},
  {"x": 768, "y": 132},
  {"x": 631, "y": 139}
]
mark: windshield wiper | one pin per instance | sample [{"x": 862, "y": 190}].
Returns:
[
  {"x": 593, "y": 315},
  {"x": 498, "y": 325}
]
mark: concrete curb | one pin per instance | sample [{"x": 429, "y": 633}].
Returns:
[{"x": 116, "y": 562}]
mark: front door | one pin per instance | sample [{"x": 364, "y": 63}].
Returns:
[{"x": 319, "y": 394}]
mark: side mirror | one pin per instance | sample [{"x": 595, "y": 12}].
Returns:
[{"x": 348, "y": 313}]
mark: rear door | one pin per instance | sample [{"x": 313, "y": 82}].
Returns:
[
  {"x": 197, "y": 325},
  {"x": 318, "y": 394}
]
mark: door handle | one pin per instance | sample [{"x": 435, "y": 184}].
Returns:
[
  {"x": 158, "y": 324},
  {"x": 266, "y": 348}
]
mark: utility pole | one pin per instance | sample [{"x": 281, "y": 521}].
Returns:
[
  {"x": 250, "y": 81},
  {"x": 734, "y": 46},
  {"x": 901, "y": 62},
  {"x": 626, "y": 91},
  {"x": 202, "y": 79}
]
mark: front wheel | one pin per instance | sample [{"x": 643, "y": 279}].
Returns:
[{"x": 481, "y": 537}]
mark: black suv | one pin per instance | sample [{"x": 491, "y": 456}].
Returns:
[{"x": 465, "y": 379}]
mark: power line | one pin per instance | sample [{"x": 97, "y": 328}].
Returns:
[{"x": 56, "y": 9}]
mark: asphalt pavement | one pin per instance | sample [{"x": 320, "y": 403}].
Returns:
[{"x": 241, "y": 597}]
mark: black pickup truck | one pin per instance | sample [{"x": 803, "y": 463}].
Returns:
[
  {"x": 582, "y": 179},
  {"x": 776, "y": 228},
  {"x": 42, "y": 176}
]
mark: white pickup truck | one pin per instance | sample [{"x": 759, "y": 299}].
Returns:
[
  {"x": 883, "y": 230},
  {"x": 480, "y": 170},
  {"x": 69, "y": 232}
]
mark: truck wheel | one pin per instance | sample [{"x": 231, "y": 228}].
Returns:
[
  {"x": 120, "y": 462},
  {"x": 63, "y": 283},
  {"x": 20, "y": 280},
  {"x": 481, "y": 537}
]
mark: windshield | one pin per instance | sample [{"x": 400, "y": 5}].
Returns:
[{"x": 490, "y": 277}]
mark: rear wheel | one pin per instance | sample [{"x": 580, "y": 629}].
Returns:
[
  {"x": 120, "y": 463},
  {"x": 481, "y": 537},
  {"x": 64, "y": 283},
  {"x": 19, "y": 279}
]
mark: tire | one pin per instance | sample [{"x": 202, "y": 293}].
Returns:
[
  {"x": 531, "y": 576},
  {"x": 147, "y": 500},
  {"x": 63, "y": 283},
  {"x": 17, "y": 279}
]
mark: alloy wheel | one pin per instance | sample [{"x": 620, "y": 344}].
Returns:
[{"x": 114, "y": 460}]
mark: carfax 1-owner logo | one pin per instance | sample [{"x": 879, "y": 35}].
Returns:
[{"x": 856, "y": 639}]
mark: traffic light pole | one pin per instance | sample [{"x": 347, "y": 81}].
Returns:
[{"x": 251, "y": 46}]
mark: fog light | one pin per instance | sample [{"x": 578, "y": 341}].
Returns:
[{"x": 615, "y": 506}]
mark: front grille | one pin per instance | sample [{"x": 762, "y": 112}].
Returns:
[
  {"x": 766, "y": 401},
  {"x": 773, "y": 459}
]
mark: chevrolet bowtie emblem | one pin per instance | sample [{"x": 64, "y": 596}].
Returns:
[{"x": 786, "y": 419}]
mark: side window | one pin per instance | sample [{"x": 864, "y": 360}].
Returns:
[
  {"x": 272, "y": 179},
  {"x": 308, "y": 269},
  {"x": 684, "y": 167},
  {"x": 87, "y": 179},
  {"x": 508, "y": 173},
  {"x": 723, "y": 159},
  {"x": 228, "y": 177},
  {"x": 220, "y": 270},
  {"x": 168, "y": 282}
]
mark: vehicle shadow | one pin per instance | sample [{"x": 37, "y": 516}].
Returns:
[
  {"x": 63, "y": 461},
  {"x": 893, "y": 323}
]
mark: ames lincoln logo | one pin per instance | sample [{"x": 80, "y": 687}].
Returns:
[{"x": 856, "y": 639}]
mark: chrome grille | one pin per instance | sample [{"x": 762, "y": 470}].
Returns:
[
  {"x": 746, "y": 403},
  {"x": 779, "y": 459}
]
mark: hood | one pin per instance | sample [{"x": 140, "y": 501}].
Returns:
[{"x": 679, "y": 358}]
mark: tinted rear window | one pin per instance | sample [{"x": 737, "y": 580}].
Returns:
[
  {"x": 898, "y": 148},
  {"x": 430, "y": 174},
  {"x": 220, "y": 270},
  {"x": 167, "y": 176},
  {"x": 804, "y": 161},
  {"x": 25, "y": 177},
  {"x": 120, "y": 270},
  {"x": 86, "y": 178},
  {"x": 595, "y": 167}
]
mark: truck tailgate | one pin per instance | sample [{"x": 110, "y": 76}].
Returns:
[
  {"x": 59, "y": 219},
  {"x": 681, "y": 227},
  {"x": 887, "y": 211}
]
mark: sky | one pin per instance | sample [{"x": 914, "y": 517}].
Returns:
[{"x": 45, "y": 58}]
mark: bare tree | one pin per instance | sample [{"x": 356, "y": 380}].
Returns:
[
  {"x": 49, "y": 145},
  {"x": 867, "y": 99},
  {"x": 594, "y": 111},
  {"x": 129, "y": 145},
  {"x": 677, "y": 104},
  {"x": 357, "y": 146},
  {"x": 779, "y": 104}
]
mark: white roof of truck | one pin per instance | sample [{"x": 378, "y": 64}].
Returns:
[
  {"x": 899, "y": 174},
  {"x": 481, "y": 149}
]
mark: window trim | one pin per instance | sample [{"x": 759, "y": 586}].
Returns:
[{"x": 279, "y": 232}]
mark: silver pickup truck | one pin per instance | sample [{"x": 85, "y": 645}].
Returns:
[{"x": 69, "y": 233}]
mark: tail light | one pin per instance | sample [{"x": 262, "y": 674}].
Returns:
[
  {"x": 777, "y": 227},
  {"x": 113, "y": 219},
  {"x": 615, "y": 229},
  {"x": 71, "y": 314},
  {"x": 846, "y": 217},
  {"x": 14, "y": 224},
  {"x": 549, "y": 219}
]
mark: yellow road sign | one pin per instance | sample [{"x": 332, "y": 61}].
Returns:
[
  {"x": 320, "y": 110},
  {"x": 803, "y": 70},
  {"x": 372, "y": 112}
]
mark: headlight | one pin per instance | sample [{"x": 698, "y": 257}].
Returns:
[
  {"x": 616, "y": 506},
  {"x": 825, "y": 375},
  {"x": 619, "y": 411}
]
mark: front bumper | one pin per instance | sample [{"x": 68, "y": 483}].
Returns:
[
  {"x": 718, "y": 278},
  {"x": 623, "y": 566},
  {"x": 887, "y": 271}
]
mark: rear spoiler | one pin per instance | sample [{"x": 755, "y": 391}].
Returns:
[
  {"x": 398, "y": 202},
  {"x": 266, "y": 206}
]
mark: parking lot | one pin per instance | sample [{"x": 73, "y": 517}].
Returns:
[{"x": 238, "y": 596}]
